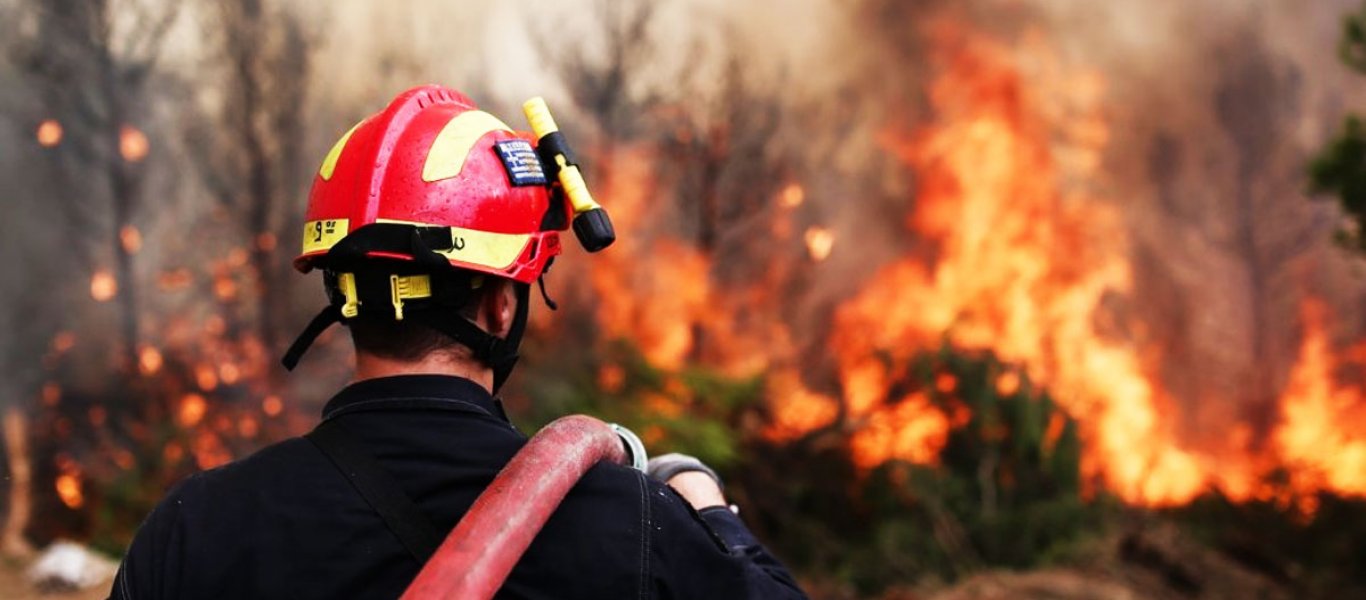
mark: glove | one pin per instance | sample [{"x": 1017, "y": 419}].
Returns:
[{"x": 667, "y": 466}]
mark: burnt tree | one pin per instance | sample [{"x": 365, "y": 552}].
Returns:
[
  {"x": 247, "y": 145},
  {"x": 90, "y": 71}
]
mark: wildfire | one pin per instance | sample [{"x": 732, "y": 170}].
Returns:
[
  {"x": 1021, "y": 269},
  {"x": 103, "y": 286},
  {"x": 1321, "y": 431},
  {"x": 1019, "y": 262}
]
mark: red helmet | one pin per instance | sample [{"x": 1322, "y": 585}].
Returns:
[
  {"x": 414, "y": 205},
  {"x": 433, "y": 159}
]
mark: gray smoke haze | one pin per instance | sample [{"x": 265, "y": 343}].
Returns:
[{"x": 1213, "y": 109}]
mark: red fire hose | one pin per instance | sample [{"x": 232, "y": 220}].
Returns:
[{"x": 480, "y": 552}]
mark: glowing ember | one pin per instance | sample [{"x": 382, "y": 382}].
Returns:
[
  {"x": 248, "y": 427},
  {"x": 229, "y": 373},
  {"x": 209, "y": 451},
  {"x": 177, "y": 279},
  {"x": 69, "y": 490},
  {"x": 1007, "y": 384},
  {"x": 149, "y": 360},
  {"x": 133, "y": 145},
  {"x": 224, "y": 287},
  {"x": 49, "y": 133},
  {"x": 130, "y": 238},
  {"x": 266, "y": 241},
  {"x": 819, "y": 242},
  {"x": 205, "y": 377},
  {"x": 272, "y": 406},
  {"x": 191, "y": 410},
  {"x": 103, "y": 286},
  {"x": 63, "y": 342},
  {"x": 51, "y": 394},
  {"x": 946, "y": 383},
  {"x": 611, "y": 378},
  {"x": 792, "y": 196}
]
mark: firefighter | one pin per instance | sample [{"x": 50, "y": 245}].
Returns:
[{"x": 430, "y": 222}]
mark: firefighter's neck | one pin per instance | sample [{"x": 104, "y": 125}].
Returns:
[
  {"x": 494, "y": 315},
  {"x": 370, "y": 366}
]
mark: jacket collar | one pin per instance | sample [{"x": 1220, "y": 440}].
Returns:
[{"x": 414, "y": 391}]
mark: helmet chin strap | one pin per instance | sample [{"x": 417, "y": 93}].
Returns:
[{"x": 500, "y": 354}]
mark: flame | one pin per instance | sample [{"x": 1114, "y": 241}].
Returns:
[
  {"x": 63, "y": 341},
  {"x": 49, "y": 133},
  {"x": 1022, "y": 265},
  {"x": 69, "y": 490},
  {"x": 658, "y": 303},
  {"x": 68, "y": 483},
  {"x": 1322, "y": 432},
  {"x": 912, "y": 430},
  {"x": 103, "y": 286},
  {"x": 133, "y": 145}
]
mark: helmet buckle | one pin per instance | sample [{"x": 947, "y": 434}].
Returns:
[{"x": 408, "y": 287}]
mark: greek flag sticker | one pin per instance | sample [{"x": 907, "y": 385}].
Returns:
[{"x": 521, "y": 162}]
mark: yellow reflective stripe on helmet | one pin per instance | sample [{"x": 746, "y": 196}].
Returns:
[
  {"x": 330, "y": 163},
  {"x": 484, "y": 248},
  {"x": 492, "y": 250},
  {"x": 323, "y": 234},
  {"x": 452, "y": 146}
]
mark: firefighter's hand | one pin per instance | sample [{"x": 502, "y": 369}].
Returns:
[{"x": 696, "y": 482}]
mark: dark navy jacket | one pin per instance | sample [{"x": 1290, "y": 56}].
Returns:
[{"x": 284, "y": 522}]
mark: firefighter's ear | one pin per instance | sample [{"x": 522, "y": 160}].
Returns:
[{"x": 499, "y": 307}]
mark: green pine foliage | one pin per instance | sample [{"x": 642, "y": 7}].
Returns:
[
  {"x": 1007, "y": 490},
  {"x": 1340, "y": 167},
  {"x": 1005, "y": 493}
]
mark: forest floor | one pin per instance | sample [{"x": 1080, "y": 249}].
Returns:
[
  {"x": 15, "y": 586},
  {"x": 1156, "y": 563}
]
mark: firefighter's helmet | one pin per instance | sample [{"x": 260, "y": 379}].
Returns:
[{"x": 414, "y": 205}]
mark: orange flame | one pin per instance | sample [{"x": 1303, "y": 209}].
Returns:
[
  {"x": 69, "y": 490},
  {"x": 1323, "y": 426},
  {"x": 1022, "y": 267}
]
